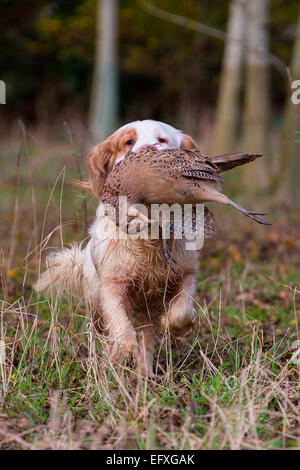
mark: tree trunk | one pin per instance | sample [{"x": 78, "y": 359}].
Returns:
[
  {"x": 290, "y": 163},
  {"x": 256, "y": 93},
  {"x": 227, "y": 113},
  {"x": 104, "y": 102}
]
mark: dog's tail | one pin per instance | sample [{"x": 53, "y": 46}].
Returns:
[{"x": 64, "y": 272}]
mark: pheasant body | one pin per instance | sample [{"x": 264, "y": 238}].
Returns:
[{"x": 173, "y": 176}]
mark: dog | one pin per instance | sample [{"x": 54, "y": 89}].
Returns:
[{"x": 129, "y": 291}]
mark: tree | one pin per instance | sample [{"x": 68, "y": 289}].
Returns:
[
  {"x": 290, "y": 164},
  {"x": 227, "y": 113},
  {"x": 104, "y": 103},
  {"x": 256, "y": 92}
]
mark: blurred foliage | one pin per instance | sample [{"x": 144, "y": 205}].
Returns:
[{"x": 47, "y": 51}]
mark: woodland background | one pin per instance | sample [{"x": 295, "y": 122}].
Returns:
[{"x": 222, "y": 71}]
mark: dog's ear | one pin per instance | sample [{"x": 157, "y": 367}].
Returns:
[
  {"x": 100, "y": 163},
  {"x": 187, "y": 143}
]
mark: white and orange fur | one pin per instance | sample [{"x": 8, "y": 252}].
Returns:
[{"x": 125, "y": 282}]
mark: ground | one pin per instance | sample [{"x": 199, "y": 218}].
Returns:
[{"x": 230, "y": 383}]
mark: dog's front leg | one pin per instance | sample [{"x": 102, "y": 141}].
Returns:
[
  {"x": 114, "y": 311},
  {"x": 182, "y": 309}
]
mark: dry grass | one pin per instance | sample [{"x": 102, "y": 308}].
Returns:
[{"x": 232, "y": 383}]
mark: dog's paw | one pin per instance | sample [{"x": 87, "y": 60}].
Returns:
[
  {"x": 125, "y": 351},
  {"x": 145, "y": 367},
  {"x": 177, "y": 320}
]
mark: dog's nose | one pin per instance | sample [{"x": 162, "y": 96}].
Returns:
[{"x": 147, "y": 146}]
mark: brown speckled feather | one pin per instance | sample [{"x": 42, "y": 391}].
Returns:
[
  {"x": 188, "y": 228},
  {"x": 228, "y": 161}
]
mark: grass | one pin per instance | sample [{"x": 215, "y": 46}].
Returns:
[{"x": 231, "y": 383}]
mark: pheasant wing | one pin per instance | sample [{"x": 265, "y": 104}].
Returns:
[
  {"x": 190, "y": 228},
  {"x": 201, "y": 175}
]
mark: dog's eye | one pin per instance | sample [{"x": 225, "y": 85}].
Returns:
[
  {"x": 161, "y": 140},
  {"x": 129, "y": 142}
]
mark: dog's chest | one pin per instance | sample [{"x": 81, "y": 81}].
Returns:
[{"x": 147, "y": 271}]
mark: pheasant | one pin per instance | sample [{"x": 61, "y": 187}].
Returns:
[{"x": 174, "y": 176}]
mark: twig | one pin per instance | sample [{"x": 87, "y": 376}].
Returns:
[
  {"x": 227, "y": 263},
  {"x": 212, "y": 32}
]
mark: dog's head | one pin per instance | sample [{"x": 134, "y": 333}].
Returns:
[{"x": 133, "y": 136}]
